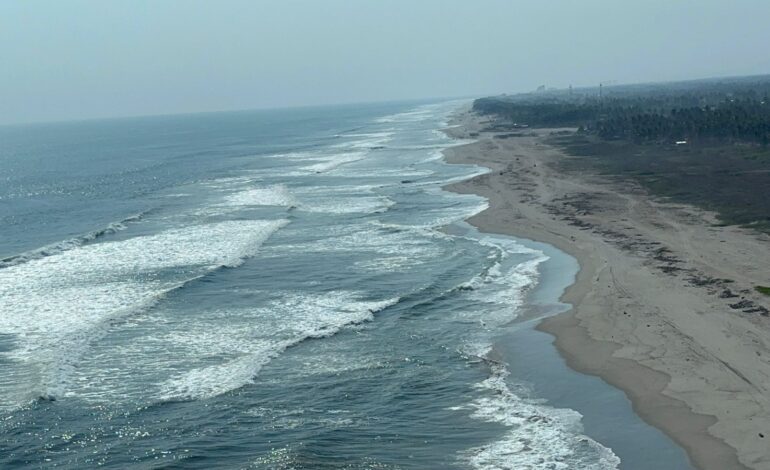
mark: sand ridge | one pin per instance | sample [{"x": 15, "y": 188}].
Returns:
[{"x": 664, "y": 306}]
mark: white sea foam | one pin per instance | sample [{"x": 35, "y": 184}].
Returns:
[
  {"x": 473, "y": 173},
  {"x": 343, "y": 199},
  {"x": 354, "y": 204},
  {"x": 327, "y": 163},
  {"x": 217, "y": 379},
  {"x": 237, "y": 194},
  {"x": 387, "y": 263},
  {"x": 212, "y": 351},
  {"x": 301, "y": 317},
  {"x": 424, "y": 112},
  {"x": 301, "y": 156},
  {"x": 71, "y": 243},
  {"x": 378, "y": 135},
  {"x": 228, "y": 182},
  {"x": 436, "y": 154},
  {"x": 314, "y": 191},
  {"x": 441, "y": 217},
  {"x": 538, "y": 436},
  {"x": 416, "y": 115},
  {"x": 504, "y": 287},
  {"x": 383, "y": 240},
  {"x": 54, "y": 306},
  {"x": 371, "y": 140},
  {"x": 383, "y": 172},
  {"x": 277, "y": 195}
]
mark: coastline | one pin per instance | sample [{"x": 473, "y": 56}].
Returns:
[{"x": 674, "y": 352}]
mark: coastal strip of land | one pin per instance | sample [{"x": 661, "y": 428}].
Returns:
[{"x": 664, "y": 306}]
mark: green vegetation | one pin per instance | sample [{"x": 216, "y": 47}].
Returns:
[
  {"x": 631, "y": 133},
  {"x": 763, "y": 290},
  {"x": 736, "y": 110},
  {"x": 717, "y": 177}
]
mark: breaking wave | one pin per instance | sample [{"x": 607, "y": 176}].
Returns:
[
  {"x": 70, "y": 243},
  {"x": 55, "y": 306}
]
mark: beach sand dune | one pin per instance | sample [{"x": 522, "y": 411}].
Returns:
[{"x": 664, "y": 305}]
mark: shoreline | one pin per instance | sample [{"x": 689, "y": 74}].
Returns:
[
  {"x": 530, "y": 355},
  {"x": 618, "y": 329}
]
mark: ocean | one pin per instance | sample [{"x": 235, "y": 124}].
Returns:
[{"x": 281, "y": 289}]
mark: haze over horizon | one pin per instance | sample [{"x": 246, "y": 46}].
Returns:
[{"x": 88, "y": 59}]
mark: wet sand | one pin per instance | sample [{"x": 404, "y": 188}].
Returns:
[{"x": 653, "y": 308}]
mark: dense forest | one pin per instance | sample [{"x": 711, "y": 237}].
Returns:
[{"x": 726, "y": 110}]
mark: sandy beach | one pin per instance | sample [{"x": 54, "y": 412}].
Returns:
[{"x": 664, "y": 305}]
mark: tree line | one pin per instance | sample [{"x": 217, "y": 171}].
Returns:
[{"x": 703, "y": 111}]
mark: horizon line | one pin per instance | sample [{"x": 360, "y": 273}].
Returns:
[{"x": 224, "y": 111}]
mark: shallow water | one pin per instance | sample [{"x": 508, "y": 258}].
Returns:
[{"x": 279, "y": 289}]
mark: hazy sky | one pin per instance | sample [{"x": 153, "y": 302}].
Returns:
[{"x": 80, "y": 59}]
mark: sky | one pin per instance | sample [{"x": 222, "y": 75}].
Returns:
[{"x": 81, "y": 59}]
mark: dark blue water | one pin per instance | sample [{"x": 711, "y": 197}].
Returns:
[{"x": 278, "y": 289}]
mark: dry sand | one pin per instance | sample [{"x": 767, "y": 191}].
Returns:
[{"x": 652, "y": 312}]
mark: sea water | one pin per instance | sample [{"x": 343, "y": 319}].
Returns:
[{"x": 280, "y": 289}]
